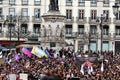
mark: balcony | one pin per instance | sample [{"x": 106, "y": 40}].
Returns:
[
  {"x": 68, "y": 35},
  {"x": 69, "y": 20},
  {"x": 81, "y": 20},
  {"x": 92, "y": 20},
  {"x": 107, "y": 21},
  {"x": 105, "y": 36},
  {"x": 82, "y": 35},
  {"x": 81, "y": 4},
  {"x": 8, "y": 34},
  {"x": 1, "y": 18},
  {"x": 116, "y": 21},
  {"x": 116, "y": 35},
  {"x": 24, "y": 18},
  {"x": 93, "y": 35},
  {"x": 36, "y": 20}
]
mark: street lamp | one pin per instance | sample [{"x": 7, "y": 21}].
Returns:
[
  {"x": 101, "y": 20},
  {"x": 115, "y": 8}
]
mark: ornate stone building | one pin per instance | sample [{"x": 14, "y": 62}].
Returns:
[{"x": 73, "y": 23}]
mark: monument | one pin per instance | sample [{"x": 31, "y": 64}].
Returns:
[{"x": 53, "y": 27}]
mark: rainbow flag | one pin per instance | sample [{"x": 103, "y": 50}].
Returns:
[
  {"x": 26, "y": 51},
  {"x": 38, "y": 52},
  {"x": 47, "y": 53}
]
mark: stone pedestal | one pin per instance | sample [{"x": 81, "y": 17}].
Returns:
[{"x": 53, "y": 31}]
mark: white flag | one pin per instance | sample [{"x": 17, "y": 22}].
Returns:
[
  {"x": 102, "y": 67},
  {"x": 1, "y": 54},
  {"x": 89, "y": 70},
  {"x": 82, "y": 70}
]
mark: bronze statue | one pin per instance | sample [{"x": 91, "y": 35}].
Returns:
[{"x": 53, "y": 6}]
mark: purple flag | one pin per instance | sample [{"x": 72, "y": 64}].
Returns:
[{"x": 16, "y": 57}]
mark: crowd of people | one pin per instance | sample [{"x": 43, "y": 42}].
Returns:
[{"x": 62, "y": 67}]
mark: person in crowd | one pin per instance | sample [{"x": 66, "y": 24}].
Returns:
[{"x": 62, "y": 68}]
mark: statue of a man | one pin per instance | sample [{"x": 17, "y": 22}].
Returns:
[{"x": 53, "y": 6}]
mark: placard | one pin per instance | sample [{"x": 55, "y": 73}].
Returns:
[
  {"x": 12, "y": 77},
  {"x": 23, "y": 76}
]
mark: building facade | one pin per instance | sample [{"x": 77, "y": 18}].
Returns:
[{"x": 81, "y": 29}]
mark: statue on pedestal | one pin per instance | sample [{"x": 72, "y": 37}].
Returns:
[{"x": 53, "y": 6}]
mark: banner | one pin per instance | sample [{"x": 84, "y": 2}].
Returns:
[
  {"x": 38, "y": 52},
  {"x": 26, "y": 51}
]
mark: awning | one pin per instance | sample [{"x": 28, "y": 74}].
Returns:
[{"x": 26, "y": 45}]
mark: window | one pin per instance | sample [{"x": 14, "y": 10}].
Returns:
[
  {"x": 93, "y": 2},
  {"x": 68, "y": 2},
  {"x": 105, "y": 2},
  {"x": 0, "y": 13},
  {"x": 37, "y": 13},
  {"x": 24, "y": 2},
  {"x": 37, "y": 2},
  {"x": 106, "y": 12},
  {"x": 118, "y": 16},
  {"x": 81, "y": 2},
  {"x": 81, "y": 14},
  {"x": 80, "y": 29},
  {"x": 93, "y": 29},
  {"x": 68, "y": 29},
  {"x": 105, "y": 30},
  {"x": 118, "y": 1},
  {"x": 24, "y": 28},
  {"x": 11, "y": 2},
  {"x": 36, "y": 28},
  {"x": 93, "y": 14},
  {"x": 69, "y": 14},
  {"x": 1, "y": 1},
  {"x": 117, "y": 30},
  {"x": 11, "y": 29},
  {"x": 12, "y": 11},
  {"x": 24, "y": 13}
]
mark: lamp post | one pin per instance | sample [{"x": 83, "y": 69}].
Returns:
[
  {"x": 101, "y": 20},
  {"x": 115, "y": 8}
]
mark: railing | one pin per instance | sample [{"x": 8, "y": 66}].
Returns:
[
  {"x": 116, "y": 35},
  {"x": 105, "y": 35},
  {"x": 35, "y": 19},
  {"x": 81, "y": 20},
  {"x": 69, "y": 20},
  {"x": 68, "y": 35},
  {"x": 82, "y": 35},
  {"x": 14, "y": 34},
  {"x": 24, "y": 18},
  {"x": 107, "y": 21},
  {"x": 92, "y": 20},
  {"x": 116, "y": 21},
  {"x": 93, "y": 35}
]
